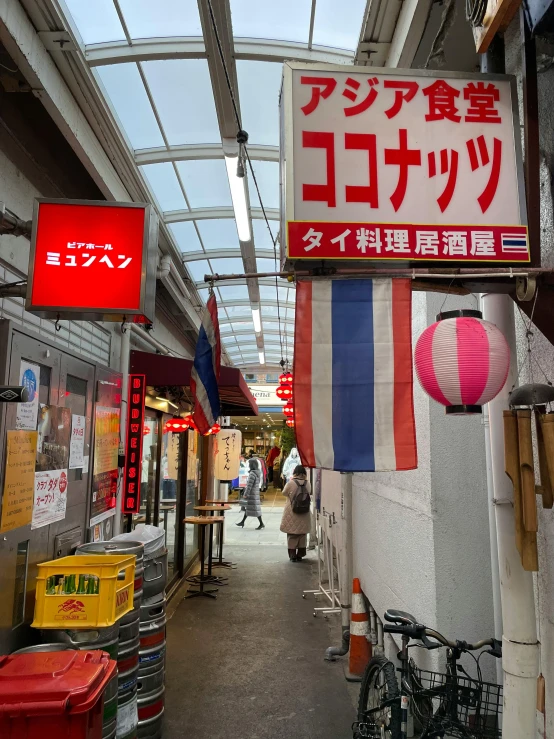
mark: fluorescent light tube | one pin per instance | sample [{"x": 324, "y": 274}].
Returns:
[
  {"x": 262, "y": 356},
  {"x": 238, "y": 195},
  {"x": 165, "y": 400},
  {"x": 257, "y": 320}
]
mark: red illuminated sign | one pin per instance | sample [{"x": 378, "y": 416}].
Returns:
[
  {"x": 133, "y": 458},
  {"x": 93, "y": 260},
  {"x": 407, "y": 241}
]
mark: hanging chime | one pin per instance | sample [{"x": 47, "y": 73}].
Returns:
[{"x": 525, "y": 402}]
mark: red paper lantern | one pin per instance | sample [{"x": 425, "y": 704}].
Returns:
[
  {"x": 288, "y": 409},
  {"x": 285, "y": 378},
  {"x": 190, "y": 422},
  {"x": 176, "y": 425},
  {"x": 290, "y": 422},
  {"x": 284, "y": 392},
  {"x": 214, "y": 429},
  {"x": 462, "y": 361}
]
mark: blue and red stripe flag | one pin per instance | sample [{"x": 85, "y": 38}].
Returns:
[
  {"x": 353, "y": 381},
  {"x": 205, "y": 371}
]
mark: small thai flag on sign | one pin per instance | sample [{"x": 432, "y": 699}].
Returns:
[
  {"x": 516, "y": 243},
  {"x": 353, "y": 382},
  {"x": 205, "y": 371}
]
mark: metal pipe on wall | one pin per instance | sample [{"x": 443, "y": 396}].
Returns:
[
  {"x": 147, "y": 339},
  {"x": 380, "y": 639},
  {"x": 495, "y": 572},
  {"x": 373, "y": 624},
  {"x": 520, "y": 649},
  {"x": 345, "y": 565},
  {"x": 345, "y": 559}
]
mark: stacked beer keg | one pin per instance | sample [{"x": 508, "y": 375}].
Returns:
[
  {"x": 151, "y": 672},
  {"x": 127, "y": 635},
  {"x": 134, "y": 706}
]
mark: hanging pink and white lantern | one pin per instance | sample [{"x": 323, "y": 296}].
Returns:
[{"x": 462, "y": 361}]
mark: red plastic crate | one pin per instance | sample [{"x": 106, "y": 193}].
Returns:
[{"x": 53, "y": 695}]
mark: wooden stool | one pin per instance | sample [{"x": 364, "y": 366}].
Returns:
[
  {"x": 211, "y": 509},
  {"x": 202, "y": 579}
]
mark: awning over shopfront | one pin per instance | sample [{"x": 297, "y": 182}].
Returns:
[{"x": 163, "y": 371}]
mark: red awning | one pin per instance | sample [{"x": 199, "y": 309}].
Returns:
[{"x": 162, "y": 370}]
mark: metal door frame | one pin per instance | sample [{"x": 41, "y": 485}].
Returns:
[{"x": 41, "y": 541}]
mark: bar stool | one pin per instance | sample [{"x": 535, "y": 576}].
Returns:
[
  {"x": 211, "y": 509},
  {"x": 222, "y": 505},
  {"x": 202, "y": 579}
]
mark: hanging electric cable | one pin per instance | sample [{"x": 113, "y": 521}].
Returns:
[{"x": 242, "y": 139}]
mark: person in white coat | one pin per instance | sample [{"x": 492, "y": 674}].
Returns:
[{"x": 292, "y": 461}]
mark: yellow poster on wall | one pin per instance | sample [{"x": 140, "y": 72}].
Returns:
[
  {"x": 106, "y": 440},
  {"x": 19, "y": 480}
]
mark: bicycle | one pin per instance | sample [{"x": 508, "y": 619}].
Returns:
[{"x": 451, "y": 704}]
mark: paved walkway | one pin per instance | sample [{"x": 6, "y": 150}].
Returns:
[
  {"x": 271, "y": 516},
  {"x": 250, "y": 664}
]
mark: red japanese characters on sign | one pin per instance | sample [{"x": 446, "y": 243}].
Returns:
[
  {"x": 133, "y": 458},
  {"x": 92, "y": 259},
  {"x": 401, "y": 165}
]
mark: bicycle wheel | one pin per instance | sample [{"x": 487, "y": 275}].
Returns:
[{"x": 379, "y": 684}]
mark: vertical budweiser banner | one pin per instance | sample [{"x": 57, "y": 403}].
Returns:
[{"x": 133, "y": 447}]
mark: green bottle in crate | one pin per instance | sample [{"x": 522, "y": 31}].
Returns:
[
  {"x": 70, "y": 587},
  {"x": 82, "y": 586}
]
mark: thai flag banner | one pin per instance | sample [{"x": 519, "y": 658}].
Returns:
[
  {"x": 205, "y": 371},
  {"x": 353, "y": 381}
]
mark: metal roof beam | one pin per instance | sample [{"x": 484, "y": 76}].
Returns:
[
  {"x": 408, "y": 33},
  {"x": 377, "y": 31},
  {"x": 270, "y": 319},
  {"x": 193, "y": 47},
  {"x": 265, "y": 303},
  {"x": 218, "y": 38},
  {"x": 248, "y": 332},
  {"x": 187, "y": 152},
  {"x": 193, "y": 256},
  {"x": 199, "y": 214},
  {"x": 262, "y": 280}
]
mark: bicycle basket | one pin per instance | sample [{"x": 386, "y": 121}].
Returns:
[
  {"x": 361, "y": 730},
  {"x": 463, "y": 707}
]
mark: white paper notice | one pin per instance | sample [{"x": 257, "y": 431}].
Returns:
[
  {"x": 85, "y": 464},
  {"x": 77, "y": 445},
  {"x": 127, "y": 718},
  {"x": 29, "y": 377},
  {"x": 50, "y": 497}
]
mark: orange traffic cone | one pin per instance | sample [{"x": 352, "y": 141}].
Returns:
[{"x": 360, "y": 646}]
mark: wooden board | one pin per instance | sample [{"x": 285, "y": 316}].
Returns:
[{"x": 497, "y": 18}]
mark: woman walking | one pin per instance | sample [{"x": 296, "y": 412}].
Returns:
[
  {"x": 296, "y": 516},
  {"x": 251, "y": 499}
]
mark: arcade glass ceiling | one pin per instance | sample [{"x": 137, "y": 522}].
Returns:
[{"x": 155, "y": 63}]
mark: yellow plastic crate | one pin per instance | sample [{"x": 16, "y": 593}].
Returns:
[{"x": 93, "y": 590}]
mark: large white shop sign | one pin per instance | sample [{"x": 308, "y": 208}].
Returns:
[
  {"x": 401, "y": 165},
  {"x": 265, "y": 395}
]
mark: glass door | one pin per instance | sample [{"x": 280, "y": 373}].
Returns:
[
  {"x": 149, "y": 475},
  {"x": 171, "y": 473},
  {"x": 192, "y": 494}
]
